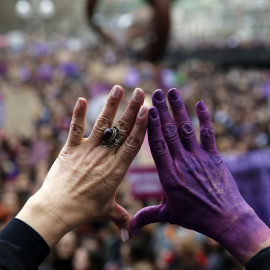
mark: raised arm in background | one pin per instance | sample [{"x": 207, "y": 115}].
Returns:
[{"x": 160, "y": 28}]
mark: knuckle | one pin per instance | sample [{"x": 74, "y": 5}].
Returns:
[
  {"x": 170, "y": 132},
  {"x": 133, "y": 142},
  {"x": 208, "y": 133},
  {"x": 76, "y": 129},
  {"x": 186, "y": 130},
  {"x": 217, "y": 159},
  {"x": 124, "y": 127},
  {"x": 130, "y": 148},
  {"x": 102, "y": 123},
  {"x": 159, "y": 147},
  {"x": 64, "y": 154}
]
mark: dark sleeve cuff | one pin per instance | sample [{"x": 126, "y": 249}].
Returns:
[
  {"x": 22, "y": 235},
  {"x": 260, "y": 261}
]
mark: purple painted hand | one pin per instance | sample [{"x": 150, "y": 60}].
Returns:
[{"x": 199, "y": 191}]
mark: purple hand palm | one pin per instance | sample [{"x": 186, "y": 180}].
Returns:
[{"x": 199, "y": 191}]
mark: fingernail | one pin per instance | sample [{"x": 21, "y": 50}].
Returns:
[
  {"x": 153, "y": 112},
  {"x": 159, "y": 95},
  {"x": 142, "y": 111},
  {"x": 80, "y": 102},
  {"x": 173, "y": 94},
  {"x": 116, "y": 91},
  {"x": 201, "y": 105},
  {"x": 138, "y": 93},
  {"x": 124, "y": 235}
]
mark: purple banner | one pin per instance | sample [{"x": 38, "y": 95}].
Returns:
[
  {"x": 252, "y": 174},
  {"x": 145, "y": 183}
]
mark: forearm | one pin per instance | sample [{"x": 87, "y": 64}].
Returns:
[
  {"x": 246, "y": 237},
  {"x": 44, "y": 221}
]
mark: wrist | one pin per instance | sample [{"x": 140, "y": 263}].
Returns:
[
  {"x": 246, "y": 235},
  {"x": 39, "y": 215}
]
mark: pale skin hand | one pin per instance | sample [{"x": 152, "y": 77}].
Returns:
[{"x": 82, "y": 182}]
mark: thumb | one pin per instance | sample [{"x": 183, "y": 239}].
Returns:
[
  {"x": 120, "y": 217},
  {"x": 145, "y": 216}
]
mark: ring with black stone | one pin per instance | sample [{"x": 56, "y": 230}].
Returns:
[{"x": 111, "y": 137}]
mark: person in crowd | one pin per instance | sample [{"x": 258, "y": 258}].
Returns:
[
  {"x": 185, "y": 250},
  {"x": 64, "y": 251},
  {"x": 217, "y": 259},
  {"x": 85, "y": 260},
  {"x": 137, "y": 255}
]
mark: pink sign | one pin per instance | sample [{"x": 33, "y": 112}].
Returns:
[{"x": 145, "y": 183}]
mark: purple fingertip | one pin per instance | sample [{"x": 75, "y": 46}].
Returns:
[
  {"x": 173, "y": 94},
  {"x": 159, "y": 95},
  {"x": 153, "y": 112},
  {"x": 201, "y": 106}
]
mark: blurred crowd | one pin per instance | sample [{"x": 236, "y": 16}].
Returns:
[
  {"x": 59, "y": 72},
  {"x": 219, "y": 43}
]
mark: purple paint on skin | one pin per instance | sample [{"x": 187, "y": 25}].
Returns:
[
  {"x": 201, "y": 106},
  {"x": 183, "y": 123},
  {"x": 154, "y": 113},
  {"x": 159, "y": 95},
  {"x": 187, "y": 128},
  {"x": 159, "y": 101},
  {"x": 199, "y": 191},
  {"x": 173, "y": 94}
]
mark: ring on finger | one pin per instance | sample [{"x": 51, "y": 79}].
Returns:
[{"x": 111, "y": 137}]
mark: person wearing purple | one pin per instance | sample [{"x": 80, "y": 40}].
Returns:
[{"x": 199, "y": 191}]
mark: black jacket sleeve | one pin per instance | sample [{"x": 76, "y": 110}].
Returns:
[
  {"x": 21, "y": 247},
  {"x": 261, "y": 261}
]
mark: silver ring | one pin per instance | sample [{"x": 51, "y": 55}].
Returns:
[{"x": 111, "y": 137}]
